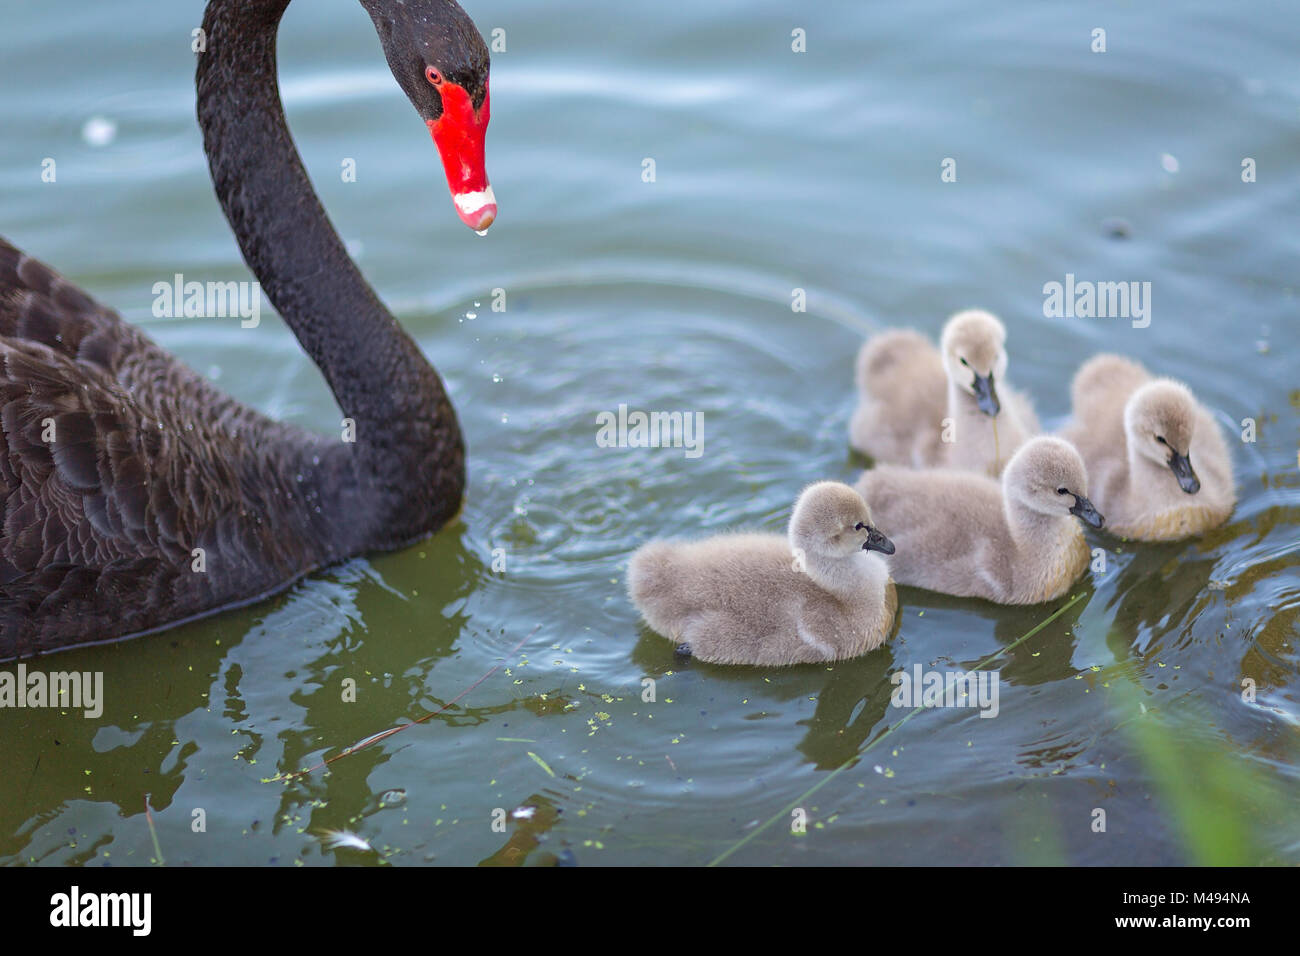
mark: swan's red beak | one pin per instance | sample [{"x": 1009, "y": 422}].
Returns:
[{"x": 459, "y": 133}]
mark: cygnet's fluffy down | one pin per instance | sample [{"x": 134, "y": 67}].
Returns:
[
  {"x": 927, "y": 408},
  {"x": 1157, "y": 460},
  {"x": 1017, "y": 541},
  {"x": 819, "y": 594}
]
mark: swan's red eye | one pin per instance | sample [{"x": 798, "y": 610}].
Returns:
[{"x": 433, "y": 75}]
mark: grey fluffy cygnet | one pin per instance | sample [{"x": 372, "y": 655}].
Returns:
[
  {"x": 951, "y": 407},
  {"x": 819, "y": 594},
  {"x": 1016, "y": 541},
  {"x": 1158, "y": 461}
]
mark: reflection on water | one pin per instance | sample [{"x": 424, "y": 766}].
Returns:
[{"x": 776, "y": 172}]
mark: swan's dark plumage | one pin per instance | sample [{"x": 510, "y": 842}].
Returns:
[
  {"x": 148, "y": 463},
  {"x": 152, "y": 471}
]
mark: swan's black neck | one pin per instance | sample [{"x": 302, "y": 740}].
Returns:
[{"x": 408, "y": 459}]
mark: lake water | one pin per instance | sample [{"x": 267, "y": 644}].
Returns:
[{"x": 774, "y": 171}]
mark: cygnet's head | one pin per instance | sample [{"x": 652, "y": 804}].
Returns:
[
  {"x": 831, "y": 519},
  {"x": 1159, "y": 423},
  {"x": 974, "y": 356},
  {"x": 1048, "y": 475}
]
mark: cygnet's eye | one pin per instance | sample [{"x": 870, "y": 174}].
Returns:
[
  {"x": 859, "y": 527},
  {"x": 964, "y": 362},
  {"x": 1161, "y": 439},
  {"x": 1062, "y": 491}
]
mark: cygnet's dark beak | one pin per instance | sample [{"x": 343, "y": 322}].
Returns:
[
  {"x": 986, "y": 396},
  {"x": 1181, "y": 466},
  {"x": 1085, "y": 512},
  {"x": 877, "y": 542}
]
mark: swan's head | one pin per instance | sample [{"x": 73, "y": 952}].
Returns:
[
  {"x": 1047, "y": 475},
  {"x": 1159, "y": 422},
  {"x": 975, "y": 357},
  {"x": 831, "y": 520},
  {"x": 441, "y": 62}
]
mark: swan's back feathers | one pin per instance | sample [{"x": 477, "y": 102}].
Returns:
[
  {"x": 116, "y": 463},
  {"x": 899, "y": 359},
  {"x": 672, "y": 581},
  {"x": 948, "y": 526},
  {"x": 650, "y": 576},
  {"x": 902, "y": 388},
  {"x": 1104, "y": 379},
  {"x": 1100, "y": 389},
  {"x": 39, "y": 305}
]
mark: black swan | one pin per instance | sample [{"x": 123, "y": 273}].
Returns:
[{"x": 135, "y": 494}]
